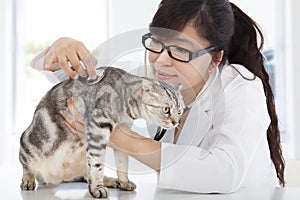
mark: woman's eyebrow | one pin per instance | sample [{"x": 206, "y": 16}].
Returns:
[{"x": 185, "y": 41}]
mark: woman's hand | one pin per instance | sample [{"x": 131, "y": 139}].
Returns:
[
  {"x": 66, "y": 50},
  {"x": 75, "y": 122}
]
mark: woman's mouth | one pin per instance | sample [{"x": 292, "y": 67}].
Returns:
[{"x": 164, "y": 76}]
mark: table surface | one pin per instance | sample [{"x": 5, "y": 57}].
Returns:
[{"x": 10, "y": 177}]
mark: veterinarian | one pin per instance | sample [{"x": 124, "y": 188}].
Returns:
[{"x": 228, "y": 137}]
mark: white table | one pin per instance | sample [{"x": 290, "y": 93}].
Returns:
[
  {"x": 146, "y": 189},
  {"x": 149, "y": 191}
]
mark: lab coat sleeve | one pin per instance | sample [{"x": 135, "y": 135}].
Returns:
[
  {"x": 38, "y": 64},
  {"x": 233, "y": 144}
]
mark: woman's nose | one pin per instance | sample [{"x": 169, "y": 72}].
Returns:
[{"x": 164, "y": 59}]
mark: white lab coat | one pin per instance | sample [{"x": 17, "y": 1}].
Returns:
[{"x": 223, "y": 143}]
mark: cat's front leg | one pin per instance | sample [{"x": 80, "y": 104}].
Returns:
[
  {"x": 95, "y": 177},
  {"x": 28, "y": 180},
  {"x": 96, "y": 146},
  {"x": 122, "y": 171}
]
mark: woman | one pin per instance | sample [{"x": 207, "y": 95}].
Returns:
[{"x": 229, "y": 136}]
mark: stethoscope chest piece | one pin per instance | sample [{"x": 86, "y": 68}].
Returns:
[{"x": 100, "y": 75}]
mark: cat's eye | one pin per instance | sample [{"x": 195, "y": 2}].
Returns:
[{"x": 166, "y": 110}]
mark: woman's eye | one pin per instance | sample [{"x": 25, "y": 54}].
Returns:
[
  {"x": 182, "y": 50},
  {"x": 155, "y": 42},
  {"x": 166, "y": 110}
]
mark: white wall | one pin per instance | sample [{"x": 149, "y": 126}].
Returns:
[
  {"x": 256, "y": 9},
  {"x": 129, "y": 15},
  {"x": 5, "y": 78},
  {"x": 292, "y": 74}
]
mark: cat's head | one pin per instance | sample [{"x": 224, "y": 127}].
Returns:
[{"x": 162, "y": 103}]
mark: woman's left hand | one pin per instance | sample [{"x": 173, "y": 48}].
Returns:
[{"x": 75, "y": 123}]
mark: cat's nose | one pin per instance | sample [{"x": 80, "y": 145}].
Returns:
[{"x": 175, "y": 123}]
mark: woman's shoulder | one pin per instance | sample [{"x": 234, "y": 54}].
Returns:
[
  {"x": 241, "y": 86},
  {"x": 238, "y": 76}
]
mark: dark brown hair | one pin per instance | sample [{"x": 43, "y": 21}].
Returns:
[{"x": 227, "y": 28}]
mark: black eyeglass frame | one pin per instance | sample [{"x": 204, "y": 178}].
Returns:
[{"x": 192, "y": 55}]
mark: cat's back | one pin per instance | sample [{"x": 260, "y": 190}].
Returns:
[{"x": 113, "y": 76}]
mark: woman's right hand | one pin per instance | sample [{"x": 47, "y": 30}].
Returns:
[{"x": 66, "y": 50}]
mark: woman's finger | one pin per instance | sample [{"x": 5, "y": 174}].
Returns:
[
  {"x": 74, "y": 131},
  {"x": 72, "y": 121},
  {"x": 74, "y": 126},
  {"x": 89, "y": 62},
  {"x": 50, "y": 61},
  {"x": 63, "y": 63},
  {"x": 77, "y": 114},
  {"x": 76, "y": 64},
  {"x": 77, "y": 117},
  {"x": 72, "y": 106},
  {"x": 53, "y": 67}
]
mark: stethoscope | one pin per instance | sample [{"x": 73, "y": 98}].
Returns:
[{"x": 160, "y": 132}]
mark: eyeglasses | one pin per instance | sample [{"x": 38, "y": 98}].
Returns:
[{"x": 178, "y": 53}]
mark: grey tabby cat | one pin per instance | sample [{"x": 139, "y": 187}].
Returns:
[{"x": 50, "y": 153}]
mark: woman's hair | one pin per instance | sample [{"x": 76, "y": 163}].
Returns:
[{"x": 227, "y": 28}]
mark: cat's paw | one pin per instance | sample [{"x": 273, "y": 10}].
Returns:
[
  {"x": 110, "y": 182},
  {"x": 127, "y": 186},
  {"x": 99, "y": 192},
  {"x": 27, "y": 184}
]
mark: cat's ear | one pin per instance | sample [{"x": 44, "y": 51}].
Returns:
[{"x": 149, "y": 87}]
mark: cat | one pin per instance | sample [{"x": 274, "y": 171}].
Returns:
[{"x": 50, "y": 153}]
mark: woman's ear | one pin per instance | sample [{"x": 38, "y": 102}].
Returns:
[{"x": 216, "y": 60}]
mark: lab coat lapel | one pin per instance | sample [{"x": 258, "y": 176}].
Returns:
[
  {"x": 196, "y": 126},
  {"x": 199, "y": 120}
]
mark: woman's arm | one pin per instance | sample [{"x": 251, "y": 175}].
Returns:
[{"x": 143, "y": 149}]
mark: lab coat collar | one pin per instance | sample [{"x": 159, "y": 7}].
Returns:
[
  {"x": 210, "y": 89},
  {"x": 199, "y": 120}
]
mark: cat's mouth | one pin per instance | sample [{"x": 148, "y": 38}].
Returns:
[{"x": 170, "y": 124}]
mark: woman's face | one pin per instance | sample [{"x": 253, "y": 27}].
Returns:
[{"x": 192, "y": 75}]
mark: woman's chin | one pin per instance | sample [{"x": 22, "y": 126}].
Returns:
[{"x": 167, "y": 79}]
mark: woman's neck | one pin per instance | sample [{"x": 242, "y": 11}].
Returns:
[{"x": 189, "y": 94}]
